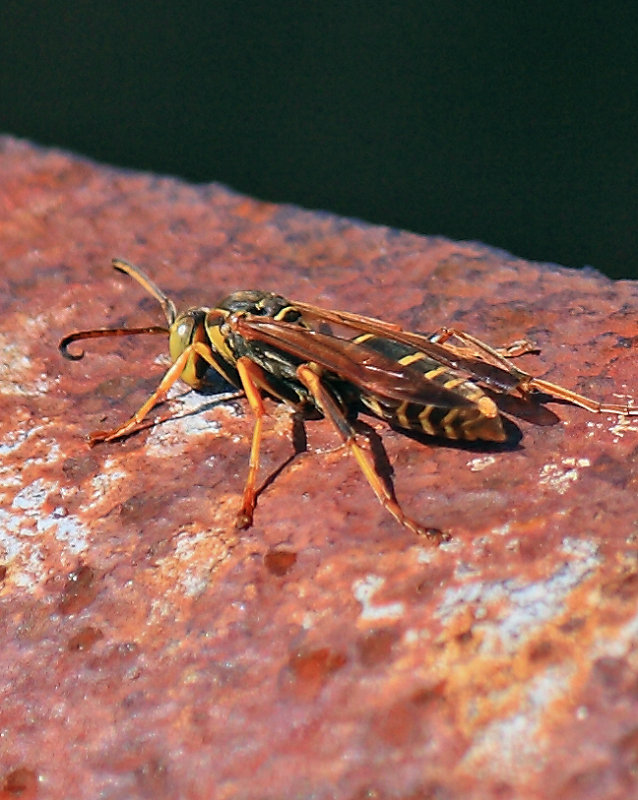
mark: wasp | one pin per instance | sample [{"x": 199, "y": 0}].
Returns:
[{"x": 443, "y": 384}]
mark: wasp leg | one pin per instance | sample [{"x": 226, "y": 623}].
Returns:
[
  {"x": 252, "y": 379},
  {"x": 498, "y": 357},
  {"x": 561, "y": 393},
  {"x": 310, "y": 376},
  {"x": 159, "y": 395}
]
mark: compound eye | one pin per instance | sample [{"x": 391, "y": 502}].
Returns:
[{"x": 181, "y": 336}]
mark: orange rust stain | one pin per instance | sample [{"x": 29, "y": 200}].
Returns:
[
  {"x": 376, "y": 646},
  {"x": 85, "y": 638},
  {"x": 308, "y": 671},
  {"x": 79, "y": 591},
  {"x": 280, "y": 562},
  {"x": 22, "y": 783}
]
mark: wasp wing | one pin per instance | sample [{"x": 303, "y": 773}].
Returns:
[
  {"x": 354, "y": 362},
  {"x": 473, "y": 368}
]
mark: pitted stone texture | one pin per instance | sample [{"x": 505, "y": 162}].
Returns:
[{"x": 151, "y": 650}]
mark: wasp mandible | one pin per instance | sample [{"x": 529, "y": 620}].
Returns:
[{"x": 440, "y": 384}]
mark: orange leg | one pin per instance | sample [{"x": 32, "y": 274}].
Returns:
[
  {"x": 561, "y": 393},
  {"x": 252, "y": 377},
  {"x": 498, "y": 357},
  {"x": 172, "y": 375},
  {"x": 475, "y": 347},
  {"x": 310, "y": 376}
]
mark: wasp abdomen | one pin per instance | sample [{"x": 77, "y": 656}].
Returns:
[
  {"x": 474, "y": 416},
  {"x": 479, "y": 421}
]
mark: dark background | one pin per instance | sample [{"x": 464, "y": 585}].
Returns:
[{"x": 514, "y": 124}]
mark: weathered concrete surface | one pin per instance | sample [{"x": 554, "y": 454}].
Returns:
[{"x": 150, "y": 650}]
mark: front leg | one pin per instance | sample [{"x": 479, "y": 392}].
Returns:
[
  {"x": 172, "y": 375},
  {"x": 252, "y": 380}
]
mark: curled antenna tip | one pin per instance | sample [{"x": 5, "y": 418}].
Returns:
[{"x": 63, "y": 347}]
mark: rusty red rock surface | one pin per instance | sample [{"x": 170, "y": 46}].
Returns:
[{"x": 151, "y": 650}]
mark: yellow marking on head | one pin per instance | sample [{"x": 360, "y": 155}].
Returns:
[{"x": 363, "y": 337}]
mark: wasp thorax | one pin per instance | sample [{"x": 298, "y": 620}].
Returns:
[{"x": 262, "y": 304}]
